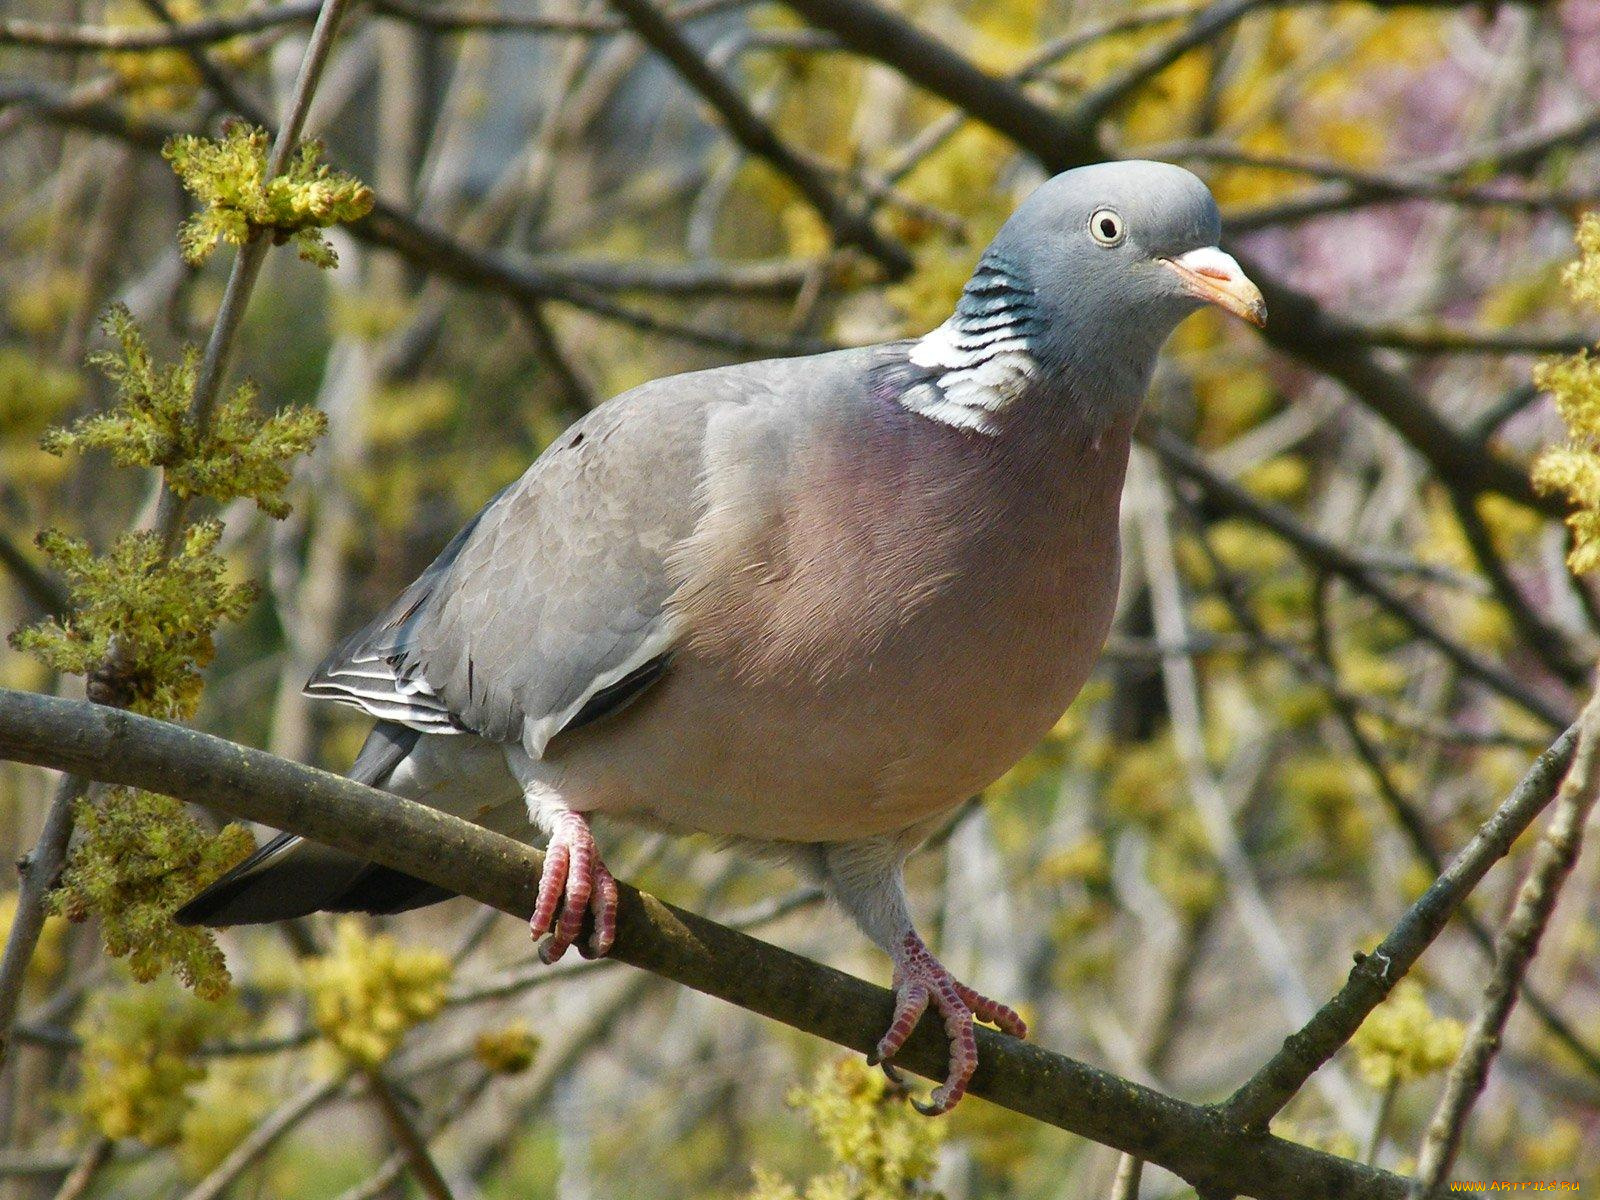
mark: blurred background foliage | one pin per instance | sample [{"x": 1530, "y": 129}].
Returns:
[{"x": 1377, "y": 632}]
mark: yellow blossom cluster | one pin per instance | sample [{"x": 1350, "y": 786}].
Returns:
[
  {"x": 367, "y": 992},
  {"x": 139, "y": 1060},
  {"x": 1402, "y": 1039},
  {"x": 237, "y": 451},
  {"x": 139, "y": 856},
  {"x": 229, "y": 177},
  {"x": 1574, "y": 469},
  {"x": 508, "y": 1050},
  {"x": 880, "y": 1148}
]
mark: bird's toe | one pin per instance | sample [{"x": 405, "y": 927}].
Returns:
[
  {"x": 603, "y": 903},
  {"x": 574, "y": 883},
  {"x": 921, "y": 980},
  {"x": 552, "y": 885},
  {"x": 1002, "y": 1016}
]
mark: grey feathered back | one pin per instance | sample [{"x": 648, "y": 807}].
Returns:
[{"x": 560, "y": 586}]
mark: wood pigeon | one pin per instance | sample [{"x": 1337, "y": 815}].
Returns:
[{"x": 807, "y": 605}]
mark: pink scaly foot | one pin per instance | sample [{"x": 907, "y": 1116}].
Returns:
[
  {"x": 577, "y": 881},
  {"x": 920, "y": 978}
]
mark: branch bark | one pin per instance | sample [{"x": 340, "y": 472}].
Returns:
[{"x": 1195, "y": 1142}]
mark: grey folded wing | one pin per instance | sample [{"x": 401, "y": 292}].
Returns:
[{"x": 550, "y": 608}]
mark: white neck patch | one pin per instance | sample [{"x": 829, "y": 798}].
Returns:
[
  {"x": 983, "y": 353},
  {"x": 981, "y": 371}
]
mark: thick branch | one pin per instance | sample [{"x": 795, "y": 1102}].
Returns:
[{"x": 1192, "y": 1141}]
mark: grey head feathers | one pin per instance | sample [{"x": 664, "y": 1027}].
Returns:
[{"x": 1072, "y": 298}]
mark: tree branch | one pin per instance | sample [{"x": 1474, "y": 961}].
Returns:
[
  {"x": 1192, "y": 1141},
  {"x": 43, "y": 590},
  {"x": 1270, "y": 1088},
  {"x": 38, "y": 870},
  {"x": 18, "y": 31},
  {"x": 850, "y": 225},
  {"x": 1183, "y": 460},
  {"x": 1514, "y": 949}
]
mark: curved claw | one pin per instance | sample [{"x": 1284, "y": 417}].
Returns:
[
  {"x": 896, "y": 1080},
  {"x": 576, "y": 882},
  {"x": 932, "y": 1106}
]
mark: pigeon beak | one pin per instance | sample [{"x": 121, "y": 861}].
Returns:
[{"x": 1212, "y": 276}]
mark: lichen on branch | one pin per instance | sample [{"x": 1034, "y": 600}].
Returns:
[
  {"x": 228, "y": 175},
  {"x": 235, "y": 453}
]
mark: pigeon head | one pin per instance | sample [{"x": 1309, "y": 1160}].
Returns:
[
  {"x": 1080, "y": 288},
  {"x": 1135, "y": 241}
]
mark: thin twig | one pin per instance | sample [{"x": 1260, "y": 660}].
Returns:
[
  {"x": 1182, "y": 691},
  {"x": 247, "y": 263},
  {"x": 1518, "y": 942},
  {"x": 1266, "y": 1092},
  {"x": 412, "y": 1147},
  {"x": 43, "y": 591},
  {"x": 1326, "y": 556},
  {"x": 18, "y": 31},
  {"x": 1126, "y": 1184},
  {"x": 1412, "y": 824},
  {"x": 263, "y": 1138},
  {"x": 44, "y": 863},
  {"x": 443, "y": 18},
  {"x": 38, "y": 870},
  {"x": 81, "y": 1177},
  {"x": 1207, "y": 26},
  {"x": 1415, "y": 183},
  {"x": 850, "y": 225}
]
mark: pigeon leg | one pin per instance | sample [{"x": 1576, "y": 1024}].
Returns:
[
  {"x": 865, "y": 877},
  {"x": 577, "y": 882},
  {"x": 920, "y": 979}
]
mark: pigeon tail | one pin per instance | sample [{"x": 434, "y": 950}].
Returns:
[{"x": 293, "y": 877}]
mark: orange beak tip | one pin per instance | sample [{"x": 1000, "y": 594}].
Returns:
[{"x": 1214, "y": 277}]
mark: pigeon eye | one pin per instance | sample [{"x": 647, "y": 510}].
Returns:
[{"x": 1106, "y": 227}]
